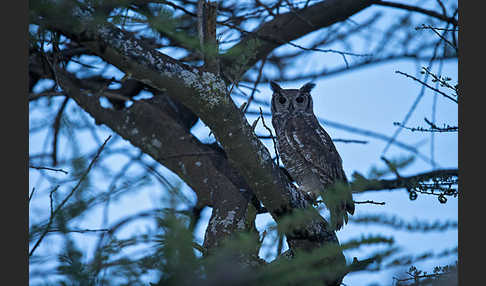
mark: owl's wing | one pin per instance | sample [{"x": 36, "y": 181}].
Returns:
[{"x": 307, "y": 137}]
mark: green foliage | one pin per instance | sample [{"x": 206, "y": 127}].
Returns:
[
  {"x": 399, "y": 224},
  {"x": 242, "y": 57},
  {"x": 163, "y": 22},
  {"x": 179, "y": 263},
  {"x": 168, "y": 254},
  {"x": 441, "y": 275},
  {"x": 71, "y": 267},
  {"x": 393, "y": 165}
]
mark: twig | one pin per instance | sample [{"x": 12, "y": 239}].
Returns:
[
  {"x": 199, "y": 247},
  {"x": 281, "y": 42},
  {"x": 31, "y": 194},
  {"x": 369, "y": 202},
  {"x": 343, "y": 54},
  {"x": 414, "y": 106},
  {"x": 433, "y": 128},
  {"x": 81, "y": 230},
  {"x": 434, "y": 110},
  {"x": 260, "y": 72},
  {"x": 57, "y": 127},
  {"x": 175, "y": 6},
  {"x": 444, "y": 10},
  {"x": 423, "y": 27},
  {"x": 391, "y": 166},
  {"x": 425, "y": 84},
  {"x": 328, "y": 50},
  {"x": 325, "y": 72},
  {"x": 253, "y": 126},
  {"x": 416, "y": 9},
  {"x": 47, "y": 168},
  {"x": 58, "y": 208},
  {"x": 51, "y": 201},
  {"x": 416, "y": 277},
  {"x": 350, "y": 141},
  {"x": 441, "y": 80},
  {"x": 268, "y": 9},
  {"x": 49, "y": 93},
  {"x": 273, "y": 138},
  {"x": 362, "y": 185},
  {"x": 440, "y": 36}
]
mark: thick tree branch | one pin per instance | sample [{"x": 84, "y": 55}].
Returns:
[
  {"x": 147, "y": 125},
  {"x": 360, "y": 184},
  {"x": 285, "y": 28},
  {"x": 417, "y": 9},
  {"x": 205, "y": 94}
]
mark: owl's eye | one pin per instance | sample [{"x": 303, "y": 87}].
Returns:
[
  {"x": 300, "y": 99},
  {"x": 282, "y": 100}
]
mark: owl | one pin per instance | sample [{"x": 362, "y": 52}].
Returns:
[{"x": 308, "y": 153}]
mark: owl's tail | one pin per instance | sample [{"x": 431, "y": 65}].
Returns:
[{"x": 339, "y": 201}]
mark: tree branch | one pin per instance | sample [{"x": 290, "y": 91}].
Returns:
[
  {"x": 146, "y": 124},
  {"x": 285, "y": 28},
  {"x": 417, "y": 9},
  {"x": 55, "y": 211},
  {"x": 205, "y": 94},
  {"x": 361, "y": 184}
]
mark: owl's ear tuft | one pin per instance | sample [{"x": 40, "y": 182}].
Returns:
[
  {"x": 307, "y": 87},
  {"x": 275, "y": 87}
]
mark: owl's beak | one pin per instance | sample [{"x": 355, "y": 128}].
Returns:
[{"x": 291, "y": 107}]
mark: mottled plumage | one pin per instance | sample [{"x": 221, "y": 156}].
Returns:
[{"x": 308, "y": 153}]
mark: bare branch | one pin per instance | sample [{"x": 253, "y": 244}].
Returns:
[
  {"x": 271, "y": 136},
  {"x": 250, "y": 99},
  {"x": 360, "y": 184},
  {"x": 47, "y": 168},
  {"x": 31, "y": 194},
  {"x": 425, "y": 84},
  {"x": 58, "y": 208},
  {"x": 56, "y": 127},
  {"x": 285, "y": 28},
  {"x": 433, "y": 127},
  {"x": 441, "y": 36},
  {"x": 370, "y": 202},
  {"x": 416, "y": 9}
]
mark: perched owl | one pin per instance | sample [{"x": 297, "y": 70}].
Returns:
[{"x": 308, "y": 152}]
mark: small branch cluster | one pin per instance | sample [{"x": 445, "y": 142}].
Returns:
[
  {"x": 440, "y": 183},
  {"x": 442, "y": 80},
  {"x": 428, "y": 86},
  {"x": 436, "y": 31},
  {"x": 416, "y": 276},
  {"x": 440, "y": 187},
  {"x": 433, "y": 127}
]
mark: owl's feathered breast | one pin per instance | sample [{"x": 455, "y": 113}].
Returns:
[{"x": 306, "y": 147}]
